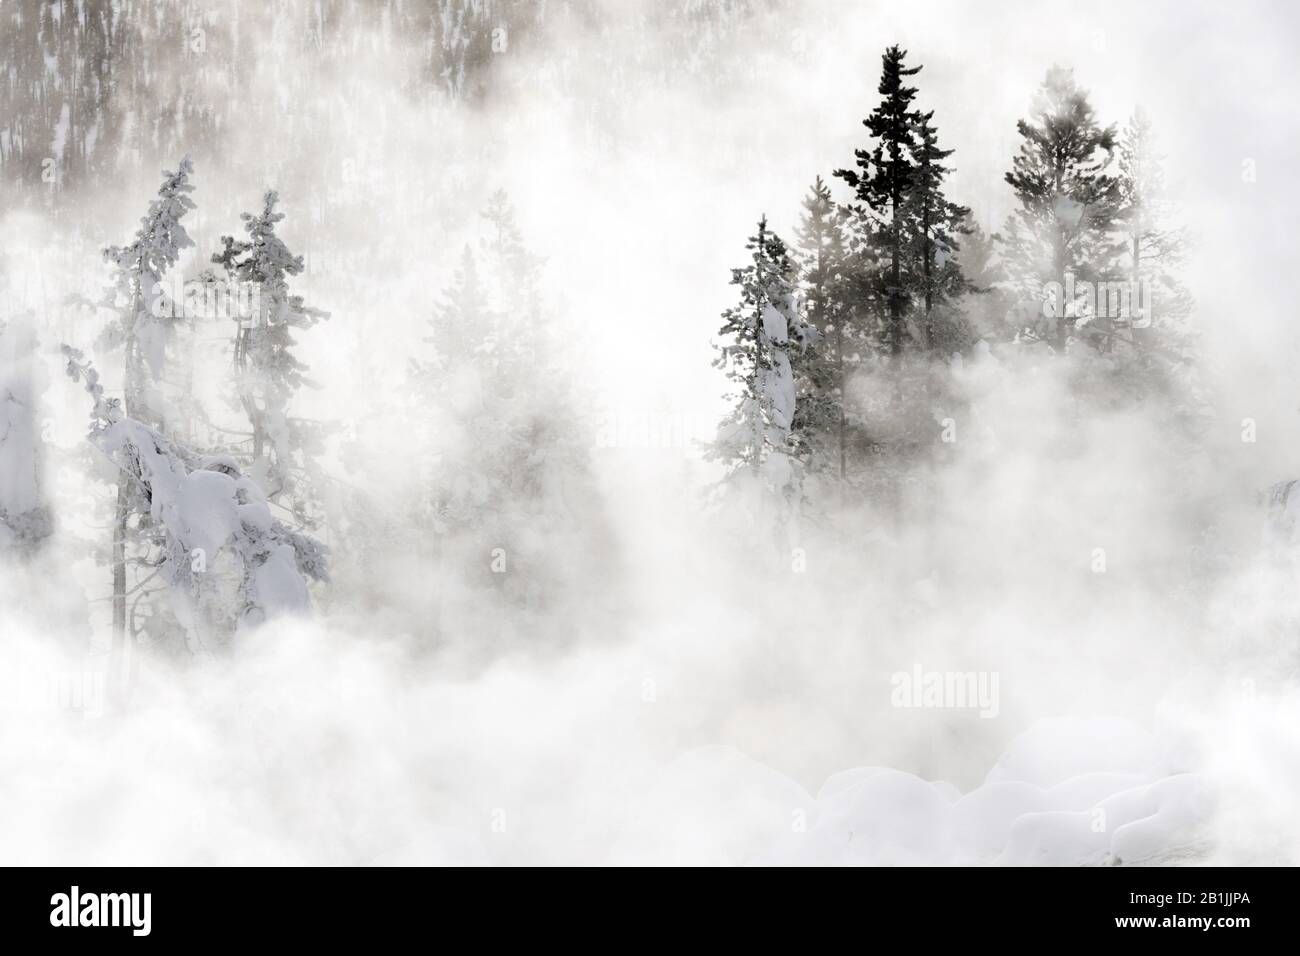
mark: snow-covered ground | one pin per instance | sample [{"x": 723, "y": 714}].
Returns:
[{"x": 316, "y": 748}]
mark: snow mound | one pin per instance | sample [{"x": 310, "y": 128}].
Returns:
[
  {"x": 1067, "y": 792},
  {"x": 1056, "y": 750}
]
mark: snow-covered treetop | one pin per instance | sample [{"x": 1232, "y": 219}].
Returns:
[
  {"x": 761, "y": 329},
  {"x": 161, "y": 236},
  {"x": 768, "y": 310},
  {"x": 145, "y": 312},
  {"x": 266, "y": 260}
]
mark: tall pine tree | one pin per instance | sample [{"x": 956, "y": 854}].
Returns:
[
  {"x": 267, "y": 373},
  {"x": 140, "y": 326},
  {"x": 822, "y": 372},
  {"x": 1068, "y": 201},
  {"x": 937, "y": 223},
  {"x": 881, "y": 183},
  {"x": 756, "y": 441}
]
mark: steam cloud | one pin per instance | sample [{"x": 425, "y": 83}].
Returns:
[{"x": 650, "y": 686}]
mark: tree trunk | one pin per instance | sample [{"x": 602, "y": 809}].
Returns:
[
  {"x": 1058, "y": 268},
  {"x": 122, "y": 511},
  {"x": 839, "y": 380},
  {"x": 1139, "y": 336},
  {"x": 929, "y": 297},
  {"x": 119, "y": 566},
  {"x": 895, "y": 306}
]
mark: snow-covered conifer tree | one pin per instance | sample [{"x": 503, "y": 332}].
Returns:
[
  {"x": 267, "y": 372},
  {"x": 200, "y": 527},
  {"x": 195, "y": 550},
  {"x": 756, "y": 441},
  {"x": 143, "y": 314}
]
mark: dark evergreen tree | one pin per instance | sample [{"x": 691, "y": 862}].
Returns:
[
  {"x": 267, "y": 373},
  {"x": 881, "y": 183},
  {"x": 936, "y": 276}
]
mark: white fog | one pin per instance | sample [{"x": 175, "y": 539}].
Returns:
[{"x": 459, "y": 545}]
